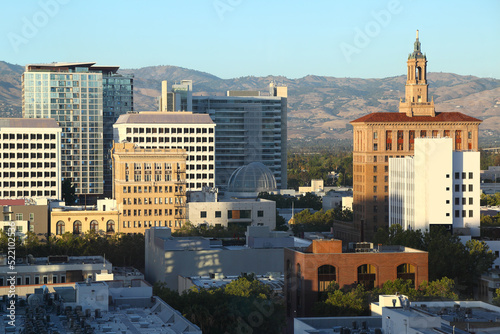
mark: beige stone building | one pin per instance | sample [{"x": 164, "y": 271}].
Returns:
[
  {"x": 149, "y": 187},
  {"x": 66, "y": 219},
  {"x": 383, "y": 135}
]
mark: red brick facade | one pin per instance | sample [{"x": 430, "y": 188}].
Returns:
[{"x": 302, "y": 285}]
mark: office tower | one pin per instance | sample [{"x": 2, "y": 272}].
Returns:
[
  {"x": 436, "y": 186},
  {"x": 180, "y": 98},
  {"x": 383, "y": 135},
  {"x": 170, "y": 130},
  {"x": 149, "y": 187},
  {"x": 31, "y": 158},
  {"x": 250, "y": 128},
  {"x": 72, "y": 94},
  {"x": 118, "y": 99}
]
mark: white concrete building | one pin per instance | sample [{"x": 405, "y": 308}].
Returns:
[
  {"x": 437, "y": 186},
  {"x": 168, "y": 257},
  {"x": 194, "y": 133},
  {"x": 439, "y": 317},
  {"x": 253, "y": 212},
  {"x": 31, "y": 158}
]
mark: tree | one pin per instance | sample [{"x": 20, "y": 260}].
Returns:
[
  {"x": 229, "y": 309},
  {"x": 68, "y": 192}
]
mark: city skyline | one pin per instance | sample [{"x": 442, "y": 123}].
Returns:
[{"x": 239, "y": 38}]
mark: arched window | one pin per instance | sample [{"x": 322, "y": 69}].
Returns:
[
  {"x": 94, "y": 225},
  {"x": 110, "y": 226},
  {"x": 406, "y": 271},
  {"x": 77, "y": 227},
  {"x": 367, "y": 275},
  {"x": 60, "y": 227},
  {"x": 326, "y": 275}
]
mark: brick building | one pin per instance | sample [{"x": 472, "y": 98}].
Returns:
[
  {"x": 309, "y": 271},
  {"x": 383, "y": 135}
]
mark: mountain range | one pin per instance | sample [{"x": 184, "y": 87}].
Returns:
[{"x": 319, "y": 107}]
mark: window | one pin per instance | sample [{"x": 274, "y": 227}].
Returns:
[
  {"x": 110, "y": 226},
  {"x": 94, "y": 225},
  {"x": 464, "y": 201},
  {"x": 218, "y": 214},
  {"x": 457, "y": 213},
  {"x": 203, "y": 214},
  {"x": 260, "y": 213},
  {"x": 471, "y": 213},
  {"x": 77, "y": 227},
  {"x": 471, "y": 175},
  {"x": 374, "y": 169},
  {"x": 406, "y": 271},
  {"x": 457, "y": 187},
  {"x": 375, "y": 147},
  {"x": 447, "y": 176},
  {"x": 367, "y": 276},
  {"x": 464, "y": 213},
  {"x": 457, "y": 175},
  {"x": 374, "y": 189},
  {"x": 470, "y": 187},
  {"x": 457, "y": 201},
  {"x": 19, "y": 216},
  {"x": 375, "y": 178},
  {"x": 375, "y": 136},
  {"x": 60, "y": 227},
  {"x": 470, "y": 201},
  {"x": 326, "y": 275}
]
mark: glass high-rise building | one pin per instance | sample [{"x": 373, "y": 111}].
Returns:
[
  {"x": 250, "y": 128},
  {"x": 77, "y": 96}
]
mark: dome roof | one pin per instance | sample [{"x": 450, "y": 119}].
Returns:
[{"x": 254, "y": 177}]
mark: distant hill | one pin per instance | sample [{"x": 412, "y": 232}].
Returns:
[{"x": 319, "y": 107}]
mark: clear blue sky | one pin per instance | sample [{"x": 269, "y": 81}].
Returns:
[{"x": 233, "y": 38}]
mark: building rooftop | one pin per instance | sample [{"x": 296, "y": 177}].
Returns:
[
  {"x": 57, "y": 66},
  {"x": 275, "y": 280},
  {"x": 156, "y": 117},
  {"x": 57, "y": 260},
  {"x": 333, "y": 246},
  {"x": 28, "y": 123},
  {"x": 397, "y": 117}
]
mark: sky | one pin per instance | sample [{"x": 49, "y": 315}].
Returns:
[{"x": 236, "y": 38}]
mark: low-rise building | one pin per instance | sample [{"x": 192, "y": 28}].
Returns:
[
  {"x": 309, "y": 271},
  {"x": 102, "y": 218},
  {"x": 435, "y": 317},
  {"x": 168, "y": 257},
  {"x": 51, "y": 271}
]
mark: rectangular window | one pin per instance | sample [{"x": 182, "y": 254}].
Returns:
[
  {"x": 374, "y": 189},
  {"x": 375, "y": 147},
  {"x": 470, "y": 201},
  {"x": 470, "y": 187},
  {"x": 457, "y": 213},
  {"x": 471, "y": 175},
  {"x": 218, "y": 214},
  {"x": 374, "y": 169},
  {"x": 464, "y": 213},
  {"x": 457, "y": 175},
  {"x": 375, "y": 178},
  {"x": 260, "y": 213},
  {"x": 375, "y": 136},
  {"x": 203, "y": 214},
  {"x": 471, "y": 213},
  {"x": 19, "y": 216},
  {"x": 464, "y": 201},
  {"x": 457, "y": 201},
  {"x": 457, "y": 187}
]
